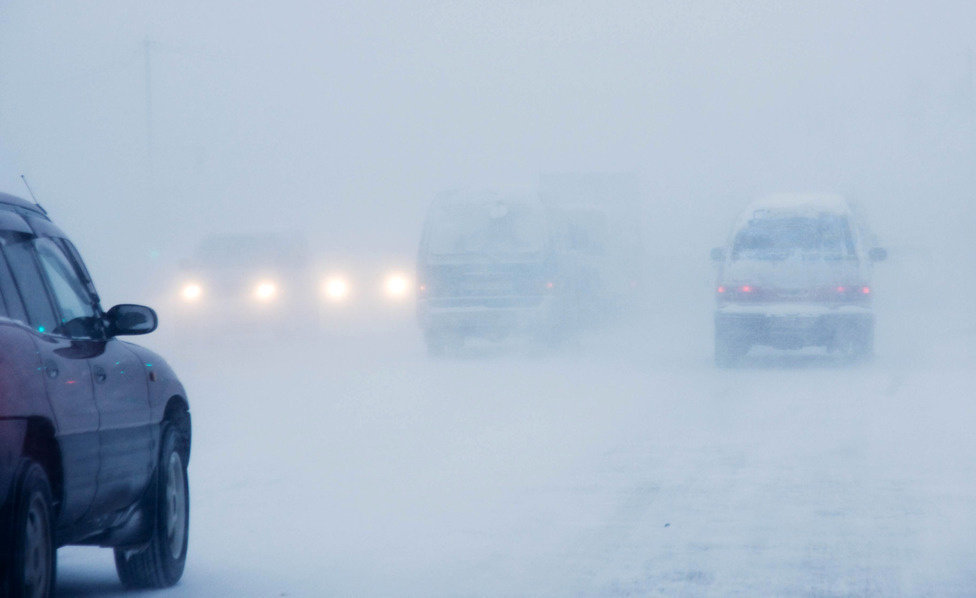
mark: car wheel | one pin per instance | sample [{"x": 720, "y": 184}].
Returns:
[
  {"x": 857, "y": 344},
  {"x": 436, "y": 347},
  {"x": 729, "y": 351},
  {"x": 160, "y": 563},
  {"x": 442, "y": 343},
  {"x": 31, "y": 570}
]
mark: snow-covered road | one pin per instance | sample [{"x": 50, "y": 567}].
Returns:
[{"x": 356, "y": 466}]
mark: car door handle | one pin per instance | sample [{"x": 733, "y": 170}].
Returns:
[
  {"x": 51, "y": 368},
  {"x": 100, "y": 375}
]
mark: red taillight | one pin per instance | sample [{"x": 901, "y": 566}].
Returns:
[
  {"x": 842, "y": 292},
  {"x": 745, "y": 289},
  {"x": 550, "y": 285},
  {"x": 721, "y": 289}
]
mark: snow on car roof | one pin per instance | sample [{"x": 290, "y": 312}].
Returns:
[
  {"x": 799, "y": 204},
  {"x": 802, "y": 202},
  {"x": 475, "y": 196}
]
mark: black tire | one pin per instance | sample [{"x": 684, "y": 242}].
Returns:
[
  {"x": 867, "y": 345},
  {"x": 550, "y": 335},
  {"x": 32, "y": 567},
  {"x": 729, "y": 351},
  {"x": 443, "y": 343},
  {"x": 436, "y": 347},
  {"x": 856, "y": 343},
  {"x": 159, "y": 564}
]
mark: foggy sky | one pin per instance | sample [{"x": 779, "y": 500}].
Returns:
[{"x": 144, "y": 126}]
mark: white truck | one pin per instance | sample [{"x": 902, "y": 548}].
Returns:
[
  {"x": 494, "y": 265},
  {"x": 599, "y": 222}
]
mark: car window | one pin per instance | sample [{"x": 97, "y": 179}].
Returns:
[
  {"x": 8, "y": 290},
  {"x": 489, "y": 227},
  {"x": 825, "y": 237},
  {"x": 33, "y": 293},
  {"x": 11, "y": 298},
  {"x": 82, "y": 270},
  {"x": 74, "y": 303}
]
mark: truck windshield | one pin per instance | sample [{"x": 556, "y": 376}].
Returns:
[
  {"x": 826, "y": 237},
  {"x": 485, "y": 228}
]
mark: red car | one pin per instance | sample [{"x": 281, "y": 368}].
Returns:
[{"x": 94, "y": 431}]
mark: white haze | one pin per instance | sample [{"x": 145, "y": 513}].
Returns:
[{"x": 351, "y": 464}]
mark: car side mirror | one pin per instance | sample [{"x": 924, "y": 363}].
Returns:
[
  {"x": 718, "y": 254},
  {"x": 131, "y": 319},
  {"x": 878, "y": 254}
]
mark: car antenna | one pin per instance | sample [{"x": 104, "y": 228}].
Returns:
[{"x": 31, "y": 191}]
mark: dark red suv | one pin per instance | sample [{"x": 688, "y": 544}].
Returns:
[{"x": 94, "y": 431}]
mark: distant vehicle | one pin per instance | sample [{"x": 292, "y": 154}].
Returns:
[
  {"x": 598, "y": 218},
  {"x": 489, "y": 266},
  {"x": 245, "y": 278},
  {"x": 366, "y": 283},
  {"x": 796, "y": 272},
  {"x": 267, "y": 280},
  {"x": 540, "y": 265},
  {"x": 94, "y": 432}
]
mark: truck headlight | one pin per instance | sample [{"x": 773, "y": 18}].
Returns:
[
  {"x": 191, "y": 292},
  {"x": 336, "y": 288},
  {"x": 265, "y": 291},
  {"x": 396, "y": 286}
]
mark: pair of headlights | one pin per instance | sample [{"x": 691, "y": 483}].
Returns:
[
  {"x": 396, "y": 286},
  {"x": 265, "y": 291}
]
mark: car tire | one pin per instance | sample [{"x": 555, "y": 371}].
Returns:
[
  {"x": 548, "y": 336},
  {"x": 728, "y": 351},
  {"x": 443, "y": 343},
  {"x": 856, "y": 344},
  {"x": 32, "y": 566},
  {"x": 160, "y": 563},
  {"x": 436, "y": 347}
]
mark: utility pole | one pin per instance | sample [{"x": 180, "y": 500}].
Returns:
[
  {"x": 971, "y": 79},
  {"x": 969, "y": 85},
  {"x": 150, "y": 142}
]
